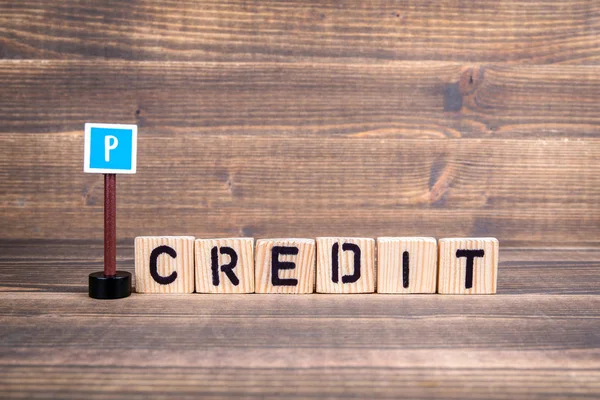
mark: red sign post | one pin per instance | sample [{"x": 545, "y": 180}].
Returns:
[{"x": 110, "y": 149}]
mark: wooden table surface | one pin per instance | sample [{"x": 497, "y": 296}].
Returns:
[
  {"x": 303, "y": 118},
  {"x": 537, "y": 338}
]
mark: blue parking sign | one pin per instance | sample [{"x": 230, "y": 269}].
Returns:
[{"x": 110, "y": 148}]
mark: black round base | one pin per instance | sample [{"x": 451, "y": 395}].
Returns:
[{"x": 110, "y": 287}]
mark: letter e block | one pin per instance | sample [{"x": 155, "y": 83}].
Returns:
[
  {"x": 345, "y": 265},
  {"x": 468, "y": 266},
  {"x": 406, "y": 265},
  {"x": 225, "y": 265},
  {"x": 164, "y": 264},
  {"x": 285, "y": 266}
]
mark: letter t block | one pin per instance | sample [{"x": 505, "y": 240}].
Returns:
[{"x": 468, "y": 266}]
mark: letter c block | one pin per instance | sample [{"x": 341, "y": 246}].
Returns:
[{"x": 164, "y": 264}]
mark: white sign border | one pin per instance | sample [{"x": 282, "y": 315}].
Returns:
[{"x": 88, "y": 143}]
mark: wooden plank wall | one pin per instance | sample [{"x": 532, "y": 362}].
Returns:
[{"x": 304, "y": 119}]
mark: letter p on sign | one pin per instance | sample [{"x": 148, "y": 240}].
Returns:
[{"x": 110, "y": 148}]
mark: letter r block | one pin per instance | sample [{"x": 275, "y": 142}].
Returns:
[
  {"x": 164, "y": 264},
  {"x": 225, "y": 265},
  {"x": 285, "y": 266},
  {"x": 468, "y": 266},
  {"x": 345, "y": 265}
]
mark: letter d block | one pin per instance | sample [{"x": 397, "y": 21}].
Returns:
[
  {"x": 406, "y": 265},
  {"x": 345, "y": 265},
  {"x": 225, "y": 265},
  {"x": 468, "y": 266},
  {"x": 164, "y": 264},
  {"x": 285, "y": 266}
]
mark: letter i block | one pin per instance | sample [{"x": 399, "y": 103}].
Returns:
[
  {"x": 225, "y": 265},
  {"x": 406, "y": 265},
  {"x": 164, "y": 264},
  {"x": 285, "y": 266},
  {"x": 345, "y": 265},
  {"x": 468, "y": 266}
]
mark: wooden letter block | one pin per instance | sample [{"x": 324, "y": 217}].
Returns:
[
  {"x": 345, "y": 265},
  {"x": 468, "y": 266},
  {"x": 225, "y": 265},
  {"x": 406, "y": 265},
  {"x": 285, "y": 266},
  {"x": 164, "y": 264}
]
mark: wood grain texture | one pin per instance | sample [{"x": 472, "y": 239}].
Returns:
[
  {"x": 67, "y": 263},
  {"x": 398, "y": 99},
  {"x": 222, "y": 186},
  {"x": 243, "y": 269},
  {"x": 206, "y": 323},
  {"x": 191, "y": 382},
  {"x": 539, "y": 32},
  {"x": 527, "y": 154},
  {"x": 182, "y": 264},
  {"x": 452, "y": 270},
  {"x": 455, "y": 119},
  {"x": 422, "y": 264},
  {"x": 302, "y": 270},
  {"x": 537, "y": 338},
  {"x": 361, "y": 277}
]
